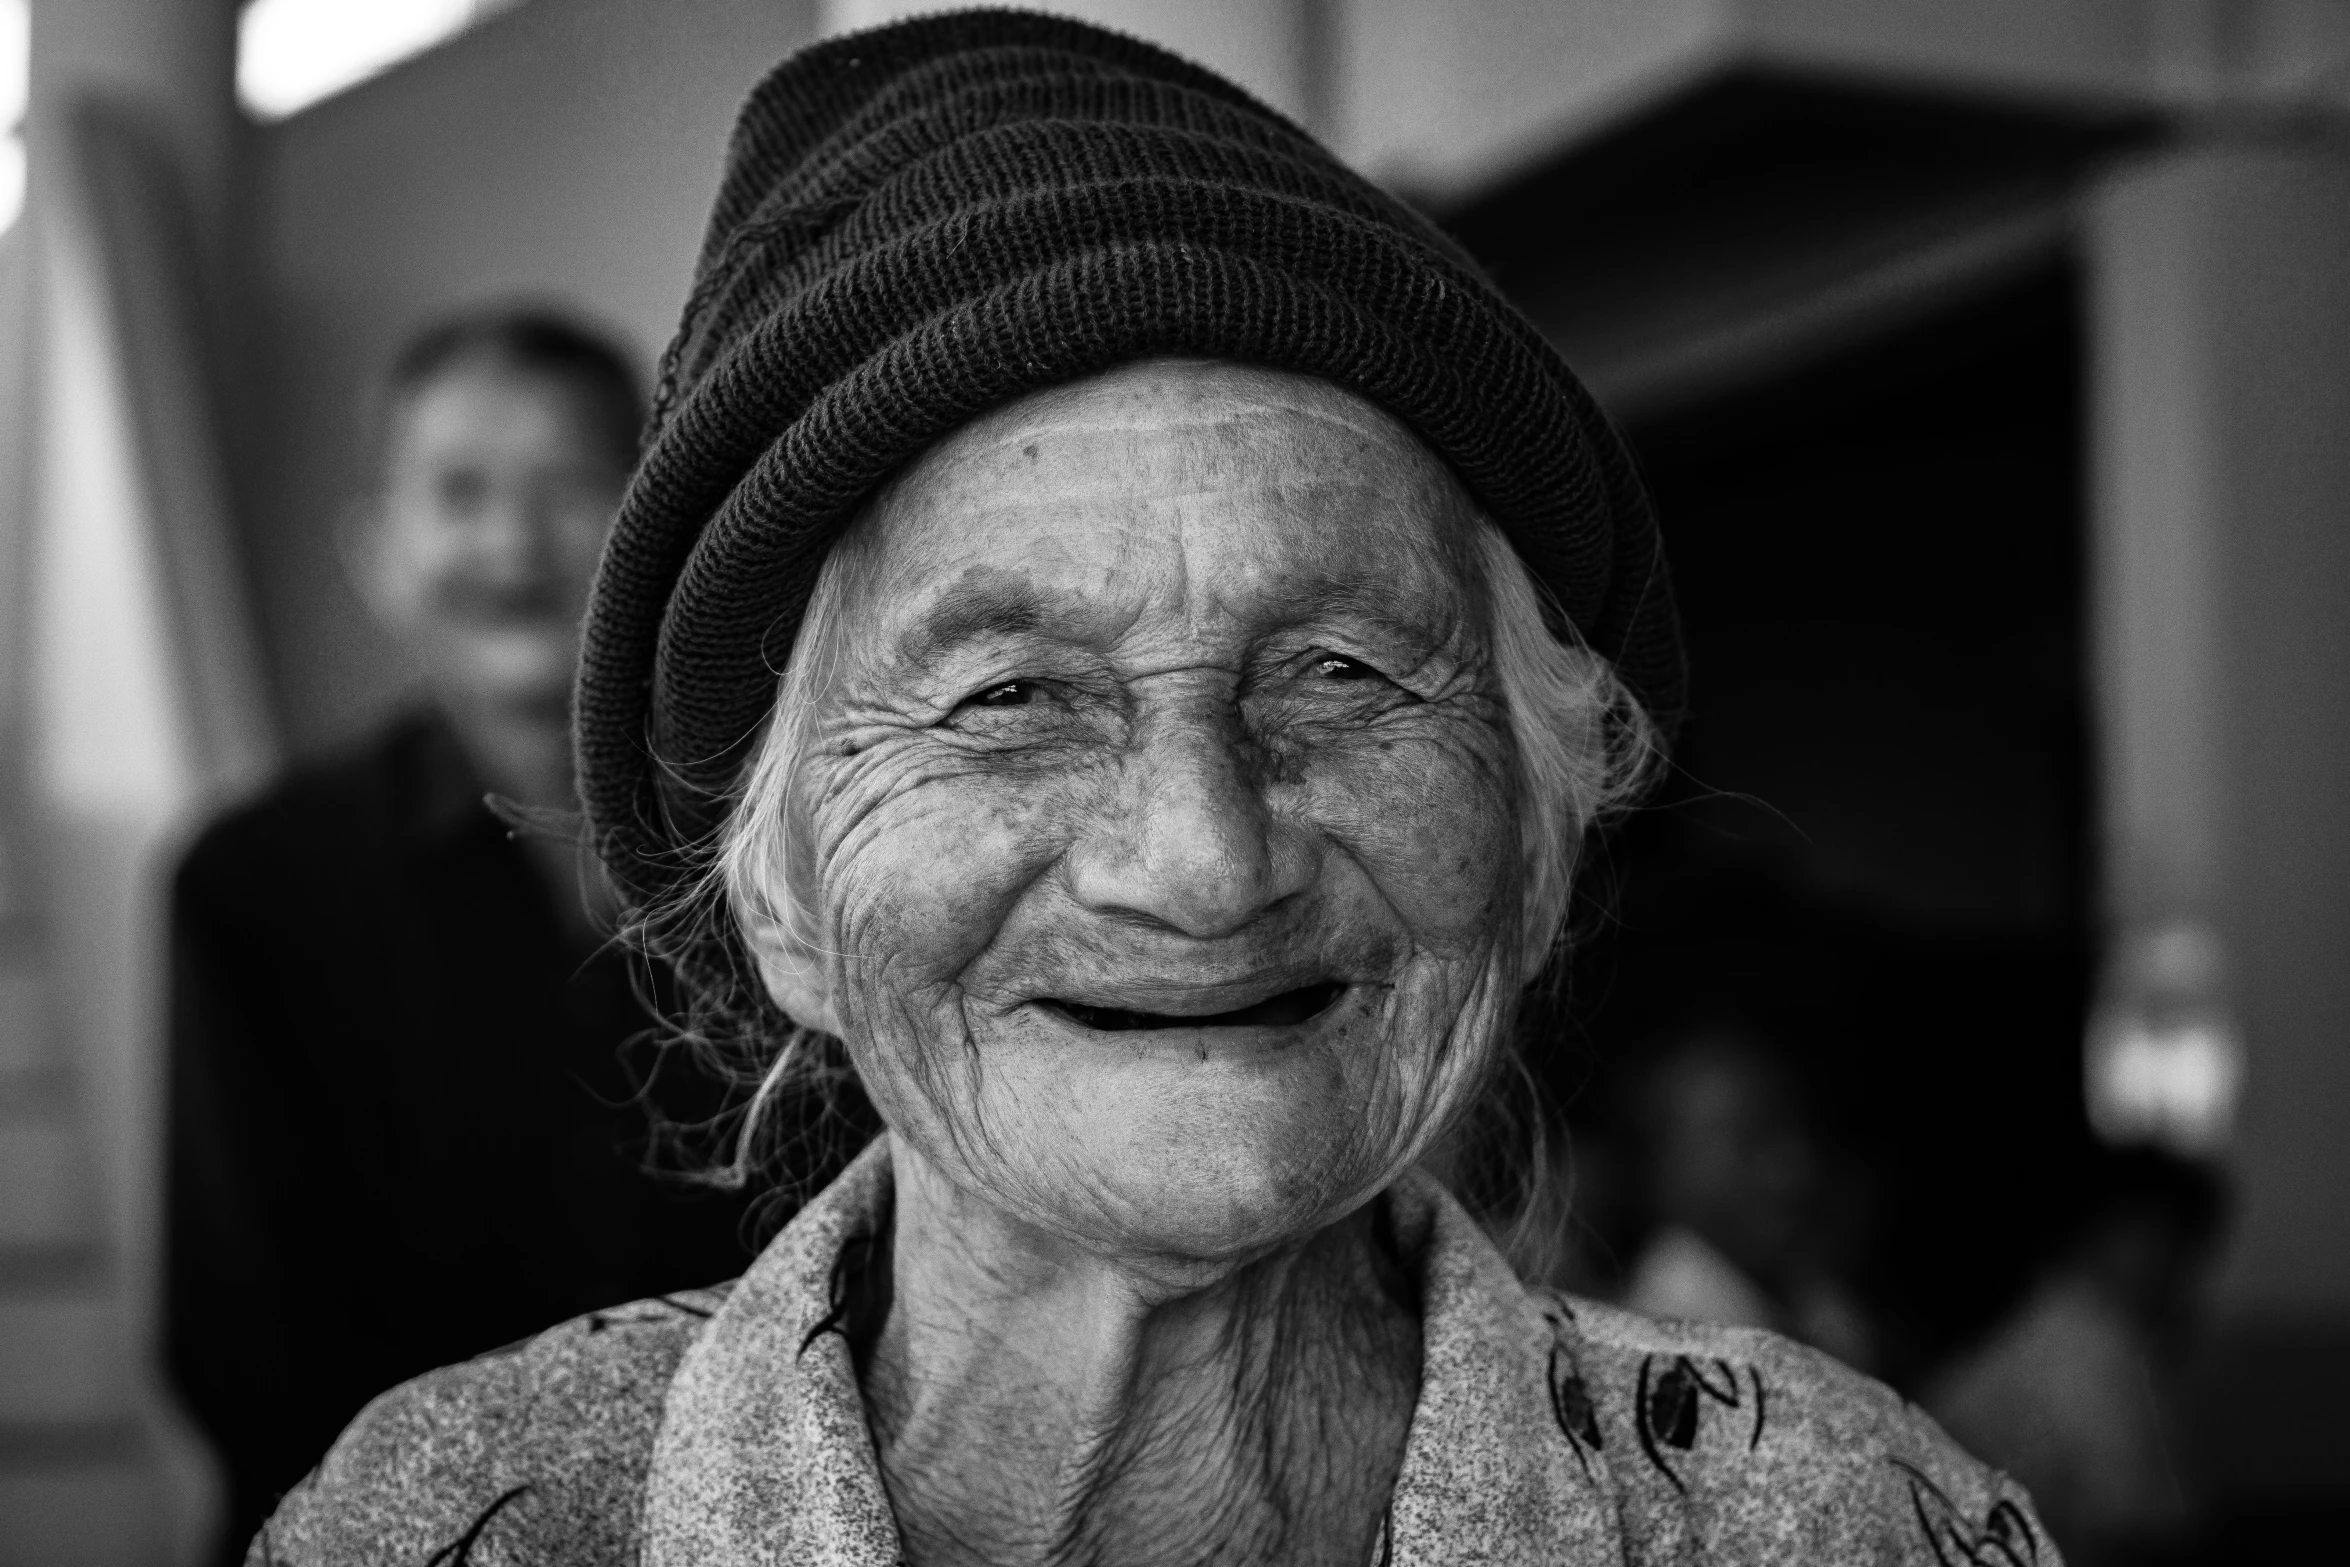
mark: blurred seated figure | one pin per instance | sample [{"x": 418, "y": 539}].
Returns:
[
  {"x": 2066, "y": 1395},
  {"x": 1739, "y": 1191},
  {"x": 401, "y": 1128}
]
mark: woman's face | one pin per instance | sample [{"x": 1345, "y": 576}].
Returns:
[{"x": 1163, "y": 812}]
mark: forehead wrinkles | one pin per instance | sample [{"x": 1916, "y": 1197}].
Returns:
[
  {"x": 1242, "y": 437},
  {"x": 1036, "y": 518},
  {"x": 1247, "y": 414},
  {"x": 1185, "y": 597}
]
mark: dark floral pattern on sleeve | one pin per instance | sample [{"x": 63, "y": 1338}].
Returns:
[
  {"x": 2005, "y": 1537},
  {"x": 1668, "y": 1404},
  {"x": 459, "y": 1552},
  {"x": 1570, "y": 1396}
]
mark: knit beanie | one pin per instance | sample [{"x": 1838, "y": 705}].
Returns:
[{"x": 924, "y": 222}]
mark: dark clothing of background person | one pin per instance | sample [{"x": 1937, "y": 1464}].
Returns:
[{"x": 400, "y": 1134}]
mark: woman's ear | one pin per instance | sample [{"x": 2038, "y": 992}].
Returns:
[{"x": 795, "y": 978}]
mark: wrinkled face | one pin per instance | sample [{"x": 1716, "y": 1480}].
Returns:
[
  {"x": 1163, "y": 811},
  {"x": 497, "y": 493}
]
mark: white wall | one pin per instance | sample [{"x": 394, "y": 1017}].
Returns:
[{"x": 135, "y": 644}]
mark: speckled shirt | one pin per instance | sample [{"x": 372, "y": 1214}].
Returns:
[{"x": 724, "y": 1428}]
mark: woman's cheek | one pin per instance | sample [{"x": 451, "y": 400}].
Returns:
[
  {"x": 1435, "y": 825},
  {"x": 925, "y": 877}
]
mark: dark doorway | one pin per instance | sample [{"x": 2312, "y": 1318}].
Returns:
[
  {"x": 1875, "y": 843},
  {"x": 1879, "y": 563}
]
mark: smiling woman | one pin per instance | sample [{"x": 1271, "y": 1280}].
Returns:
[
  {"x": 1118, "y": 640},
  {"x": 1257, "y": 751},
  {"x": 1171, "y": 712}
]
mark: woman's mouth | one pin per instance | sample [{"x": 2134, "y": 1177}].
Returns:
[{"x": 1281, "y": 1011}]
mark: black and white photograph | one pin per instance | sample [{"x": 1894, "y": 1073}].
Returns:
[{"x": 1148, "y": 783}]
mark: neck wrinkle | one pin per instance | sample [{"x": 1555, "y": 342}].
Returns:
[
  {"x": 1030, "y": 1401},
  {"x": 765, "y": 1453}
]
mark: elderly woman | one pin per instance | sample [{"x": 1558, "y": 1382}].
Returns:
[{"x": 1119, "y": 636}]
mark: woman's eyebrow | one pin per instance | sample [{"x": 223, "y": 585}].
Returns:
[
  {"x": 1402, "y": 609},
  {"x": 968, "y": 612},
  {"x": 1004, "y": 604}
]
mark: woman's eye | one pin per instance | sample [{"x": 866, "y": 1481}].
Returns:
[
  {"x": 1332, "y": 667},
  {"x": 1047, "y": 708},
  {"x": 1012, "y": 693}
]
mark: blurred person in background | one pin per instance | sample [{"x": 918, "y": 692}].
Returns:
[
  {"x": 402, "y": 1128},
  {"x": 2069, "y": 1393},
  {"x": 1750, "y": 1220}
]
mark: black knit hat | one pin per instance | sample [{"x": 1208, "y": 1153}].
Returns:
[{"x": 922, "y": 223}]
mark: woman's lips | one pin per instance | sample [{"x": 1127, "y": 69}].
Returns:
[{"x": 1284, "y": 1010}]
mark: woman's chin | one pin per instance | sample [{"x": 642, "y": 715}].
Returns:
[
  {"x": 1169, "y": 1187},
  {"x": 1172, "y": 1151}
]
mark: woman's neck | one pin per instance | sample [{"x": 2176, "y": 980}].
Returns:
[{"x": 1032, "y": 1402}]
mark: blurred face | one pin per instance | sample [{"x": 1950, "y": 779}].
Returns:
[
  {"x": 498, "y": 491},
  {"x": 1162, "y": 811}
]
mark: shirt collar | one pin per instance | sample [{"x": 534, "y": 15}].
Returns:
[{"x": 764, "y": 1455}]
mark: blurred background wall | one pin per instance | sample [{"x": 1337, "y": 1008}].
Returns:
[
  {"x": 1990, "y": 358},
  {"x": 133, "y": 700}
]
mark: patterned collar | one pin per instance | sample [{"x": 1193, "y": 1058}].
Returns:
[
  {"x": 726, "y": 1429},
  {"x": 764, "y": 1455}
]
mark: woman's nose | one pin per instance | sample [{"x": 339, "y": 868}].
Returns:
[{"x": 1188, "y": 839}]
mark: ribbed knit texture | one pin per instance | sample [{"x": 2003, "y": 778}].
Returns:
[{"x": 922, "y": 223}]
